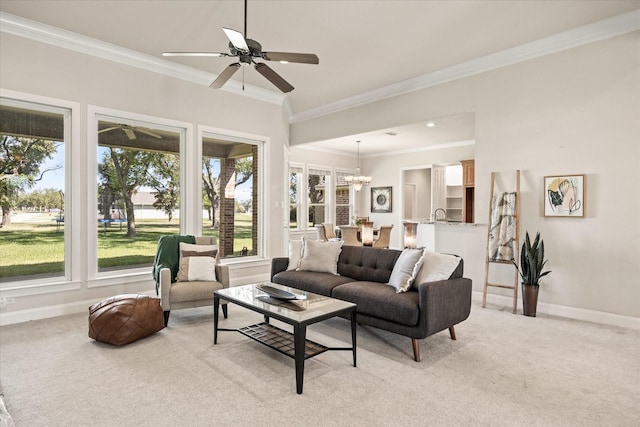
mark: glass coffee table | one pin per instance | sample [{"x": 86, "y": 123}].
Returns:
[{"x": 289, "y": 305}]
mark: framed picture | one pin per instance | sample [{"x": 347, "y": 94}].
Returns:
[
  {"x": 564, "y": 196},
  {"x": 380, "y": 199}
]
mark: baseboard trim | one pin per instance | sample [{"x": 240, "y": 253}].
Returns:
[
  {"x": 501, "y": 300},
  {"x": 51, "y": 311},
  {"x": 576, "y": 313}
]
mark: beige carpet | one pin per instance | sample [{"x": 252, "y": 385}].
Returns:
[{"x": 504, "y": 370}]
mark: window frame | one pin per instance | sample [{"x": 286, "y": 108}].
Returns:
[
  {"x": 328, "y": 196},
  {"x": 299, "y": 202},
  {"x": 71, "y": 279},
  {"x": 351, "y": 203},
  {"x": 96, "y": 278},
  {"x": 262, "y": 144}
]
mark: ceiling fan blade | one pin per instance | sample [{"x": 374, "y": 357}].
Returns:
[
  {"x": 194, "y": 54},
  {"x": 237, "y": 39},
  {"x": 274, "y": 77},
  {"x": 302, "y": 58},
  {"x": 130, "y": 133},
  {"x": 108, "y": 129},
  {"x": 146, "y": 132},
  {"x": 225, "y": 75}
]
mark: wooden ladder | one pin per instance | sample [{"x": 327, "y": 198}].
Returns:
[{"x": 490, "y": 261}]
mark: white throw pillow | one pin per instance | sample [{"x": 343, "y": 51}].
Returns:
[
  {"x": 197, "y": 268},
  {"x": 436, "y": 267},
  {"x": 295, "y": 253},
  {"x": 320, "y": 256},
  {"x": 406, "y": 269},
  {"x": 191, "y": 248}
]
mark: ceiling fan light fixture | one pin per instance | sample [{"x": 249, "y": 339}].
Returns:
[{"x": 237, "y": 39}]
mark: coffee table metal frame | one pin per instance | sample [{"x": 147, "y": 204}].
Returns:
[{"x": 294, "y": 345}]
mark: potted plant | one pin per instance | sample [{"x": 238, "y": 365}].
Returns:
[{"x": 531, "y": 265}]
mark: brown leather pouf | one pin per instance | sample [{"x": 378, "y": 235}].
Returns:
[{"x": 124, "y": 319}]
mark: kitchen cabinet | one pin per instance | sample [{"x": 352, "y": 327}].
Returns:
[
  {"x": 468, "y": 173},
  {"x": 468, "y": 190}
]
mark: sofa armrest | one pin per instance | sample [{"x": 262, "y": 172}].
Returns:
[
  {"x": 278, "y": 264},
  {"x": 444, "y": 303},
  {"x": 222, "y": 274},
  {"x": 165, "y": 288}
]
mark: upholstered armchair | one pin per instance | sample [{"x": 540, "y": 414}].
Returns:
[{"x": 185, "y": 276}]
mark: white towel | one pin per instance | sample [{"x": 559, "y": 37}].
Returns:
[{"x": 502, "y": 234}]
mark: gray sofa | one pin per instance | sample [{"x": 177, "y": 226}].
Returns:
[{"x": 427, "y": 308}]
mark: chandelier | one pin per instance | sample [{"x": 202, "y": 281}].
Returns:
[{"x": 358, "y": 180}]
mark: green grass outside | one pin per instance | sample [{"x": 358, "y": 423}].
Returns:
[{"x": 30, "y": 249}]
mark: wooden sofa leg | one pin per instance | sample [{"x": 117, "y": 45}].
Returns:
[
  {"x": 416, "y": 349},
  {"x": 224, "y": 310},
  {"x": 166, "y": 317},
  {"x": 452, "y": 332}
]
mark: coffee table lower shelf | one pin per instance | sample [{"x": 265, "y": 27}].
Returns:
[{"x": 280, "y": 340}]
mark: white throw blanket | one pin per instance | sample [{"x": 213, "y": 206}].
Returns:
[{"x": 502, "y": 234}]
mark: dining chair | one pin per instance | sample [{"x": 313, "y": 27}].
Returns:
[
  {"x": 384, "y": 236},
  {"x": 320, "y": 230},
  {"x": 349, "y": 235}
]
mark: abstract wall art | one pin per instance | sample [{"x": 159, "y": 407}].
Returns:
[{"x": 564, "y": 196}]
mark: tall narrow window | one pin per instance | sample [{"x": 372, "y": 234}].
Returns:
[
  {"x": 230, "y": 174},
  {"x": 138, "y": 190},
  {"x": 343, "y": 199},
  {"x": 295, "y": 189},
  {"x": 318, "y": 180},
  {"x": 32, "y": 190}
]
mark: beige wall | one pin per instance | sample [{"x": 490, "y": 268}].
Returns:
[{"x": 573, "y": 112}]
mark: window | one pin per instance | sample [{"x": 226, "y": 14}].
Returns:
[
  {"x": 138, "y": 190},
  {"x": 343, "y": 203},
  {"x": 295, "y": 189},
  {"x": 32, "y": 190},
  {"x": 230, "y": 177},
  {"x": 318, "y": 180}
]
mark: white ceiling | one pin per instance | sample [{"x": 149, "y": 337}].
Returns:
[{"x": 362, "y": 45}]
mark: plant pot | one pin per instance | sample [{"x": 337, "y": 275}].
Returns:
[{"x": 529, "y": 299}]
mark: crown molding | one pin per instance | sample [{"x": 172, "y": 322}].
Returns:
[
  {"x": 33, "y": 30},
  {"x": 590, "y": 33}
]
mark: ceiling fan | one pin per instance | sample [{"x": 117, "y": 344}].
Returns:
[
  {"x": 246, "y": 50},
  {"x": 130, "y": 131}
]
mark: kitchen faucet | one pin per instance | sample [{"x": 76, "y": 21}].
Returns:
[{"x": 435, "y": 214}]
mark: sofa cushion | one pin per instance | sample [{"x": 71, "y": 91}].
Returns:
[
  {"x": 310, "y": 281},
  {"x": 406, "y": 269},
  {"x": 381, "y": 301},
  {"x": 193, "y": 291},
  {"x": 436, "y": 267},
  {"x": 320, "y": 256},
  {"x": 187, "y": 249},
  {"x": 364, "y": 263}
]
